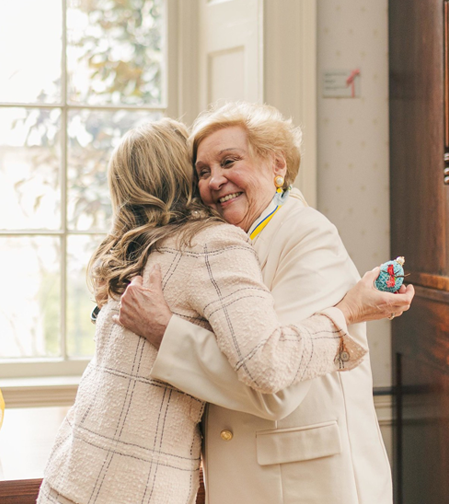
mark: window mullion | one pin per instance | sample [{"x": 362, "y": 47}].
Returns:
[
  {"x": 63, "y": 179},
  {"x": 63, "y": 354}
]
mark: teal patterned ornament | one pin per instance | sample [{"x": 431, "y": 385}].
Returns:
[{"x": 391, "y": 275}]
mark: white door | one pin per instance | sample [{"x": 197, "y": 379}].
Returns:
[
  {"x": 230, "y": 51},
  {"x": 253, "y": 50}
]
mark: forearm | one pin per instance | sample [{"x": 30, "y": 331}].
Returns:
[
  {"x": 267, "y": 353},
  {"x": 189, "y": 359},
  {"x": 295, "y": 353}
]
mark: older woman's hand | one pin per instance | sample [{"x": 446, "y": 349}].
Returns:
[
  {"x": 364, "y": 302},
  {"x": 143, "y": 310}
]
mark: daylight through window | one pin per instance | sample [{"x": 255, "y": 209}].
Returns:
[{"x": 75, "y": 75}]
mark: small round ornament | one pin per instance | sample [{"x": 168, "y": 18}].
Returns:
[{"x": 391, "y": 275}]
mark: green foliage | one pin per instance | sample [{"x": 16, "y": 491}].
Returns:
[
  {"x": 122, "y": 48},
  {"x": 116, "y": 47}
]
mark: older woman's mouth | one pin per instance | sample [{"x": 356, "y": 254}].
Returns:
[{"x": 229, "y": 197}]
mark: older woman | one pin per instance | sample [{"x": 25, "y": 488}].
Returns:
[
  {"x": 130, "y": 438},
  {"x": 314, "y": 442}
]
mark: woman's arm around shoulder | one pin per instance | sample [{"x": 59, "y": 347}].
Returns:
[{"x": 227, "y": 289}]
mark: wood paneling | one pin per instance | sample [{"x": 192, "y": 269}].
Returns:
[
  {"x": 25, "y": 491},
  {"x": 418, "y": 195},
  {"x": 420, "y": 232},
  {"x": 421, "y": 436},
  {"x": 19, "y": 491}
]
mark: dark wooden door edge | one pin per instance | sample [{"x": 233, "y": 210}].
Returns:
[
  {"x": 433, "y": 294},
  {"x": 19, "y": 491},
  {"x": 430, "y": 281},
  {"x": 25, "y": 491}
]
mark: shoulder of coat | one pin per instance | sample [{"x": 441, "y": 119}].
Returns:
[
  {"x": 221, "y": 235},
  {"x": 298, "y": 218}
]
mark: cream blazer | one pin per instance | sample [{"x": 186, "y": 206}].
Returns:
[
  {"x": 317, "y": 442},
  {"x": 131, "y": 439}
]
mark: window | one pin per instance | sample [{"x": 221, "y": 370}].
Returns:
[{"x": 75, "y": 75}]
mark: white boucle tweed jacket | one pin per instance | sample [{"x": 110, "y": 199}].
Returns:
[
  {"x": 133, "y": 439},
  {"x": 317, "y": 442}
]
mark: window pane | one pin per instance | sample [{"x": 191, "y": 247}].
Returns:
[
  {"x": 30, "y": 298},
  {"x": 92, "y": 135},
  {"x": 80, "y": 301},
  {"x": 114, "y": 52},
  {"x": 30, "y": 59},
  {"x": 29, "y": 168}
]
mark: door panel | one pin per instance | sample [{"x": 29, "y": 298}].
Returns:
[
  {"x": 221, "y": 65},
  {"x": 230, "y": 51}
]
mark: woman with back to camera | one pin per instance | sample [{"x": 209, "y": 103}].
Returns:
[
  {"x": 130, "y": 438},
  {"x": 314, "y": 442}
]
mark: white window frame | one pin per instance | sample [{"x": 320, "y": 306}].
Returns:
[{"x": 53, "y": 381}]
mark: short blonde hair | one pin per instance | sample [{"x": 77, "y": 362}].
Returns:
[
  {"x": 153, "y": 197},
  {"x": 268, "y": 131}
]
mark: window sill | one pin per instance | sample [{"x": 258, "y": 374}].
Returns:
[{"x": 42, "y": 391}]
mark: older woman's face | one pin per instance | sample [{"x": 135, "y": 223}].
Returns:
[{"x": 238, "y": 185}]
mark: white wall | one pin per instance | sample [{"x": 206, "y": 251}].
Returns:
[{"x": 353, "y": 160}]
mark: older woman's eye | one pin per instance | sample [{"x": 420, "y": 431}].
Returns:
[
  {"x": 203, "y": 173},
  {"x": 227, "y": 162}
]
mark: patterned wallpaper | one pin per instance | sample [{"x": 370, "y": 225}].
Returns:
[{"x": 353, "y": 159}]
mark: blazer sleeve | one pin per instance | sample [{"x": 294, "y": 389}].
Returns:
[
  {"x": 190, "y": 360},
  {"x": 226, "y": 288}
]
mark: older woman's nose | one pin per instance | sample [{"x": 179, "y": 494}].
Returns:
[{"x": 216, "y": 181}]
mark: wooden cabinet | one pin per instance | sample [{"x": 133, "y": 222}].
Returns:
[{"x": 419, "y": 157}]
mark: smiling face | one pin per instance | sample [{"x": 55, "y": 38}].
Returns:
[{"x": 231, "y": 180}]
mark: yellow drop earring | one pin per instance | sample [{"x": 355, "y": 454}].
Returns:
[{"x": 278, "y": 182}]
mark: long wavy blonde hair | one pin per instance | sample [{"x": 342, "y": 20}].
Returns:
[{"x": 150, "y": 178}]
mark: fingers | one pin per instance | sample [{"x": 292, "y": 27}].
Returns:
[
  {"x": 405, "y": 296},
  {"x": 371, "y": 276},
  {"x": 123, "y": 318},
  {"x": 127, "y": 301},
  {"x": 388, "y": 305},
  {"x": 137, "y": 281},
  {"x": 154, "y": 280},
  {"x": 129, "y": 294},
  {"x": 406, "y": 289},
  {"x": 132, "y": 291},
  {"x": 410, "y": 291},
  {"x": 409, "y": 295},
  {"x": 402, "y": 301},
  {"x": 137, "y": 296},
  {"x": 155, "y": 277}
]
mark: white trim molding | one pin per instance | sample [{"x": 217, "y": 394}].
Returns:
[
  {"x": 290, "y": 76},
  {"x": 39, "y": 392},
  {"x": 61, "y": 391},
  {"x": 384, "y": 411}
]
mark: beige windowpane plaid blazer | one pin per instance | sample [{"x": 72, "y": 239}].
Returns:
[{"x": 133, "y": 439}]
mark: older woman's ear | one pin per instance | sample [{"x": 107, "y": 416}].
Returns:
[{"x": 279, "y": 165}]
